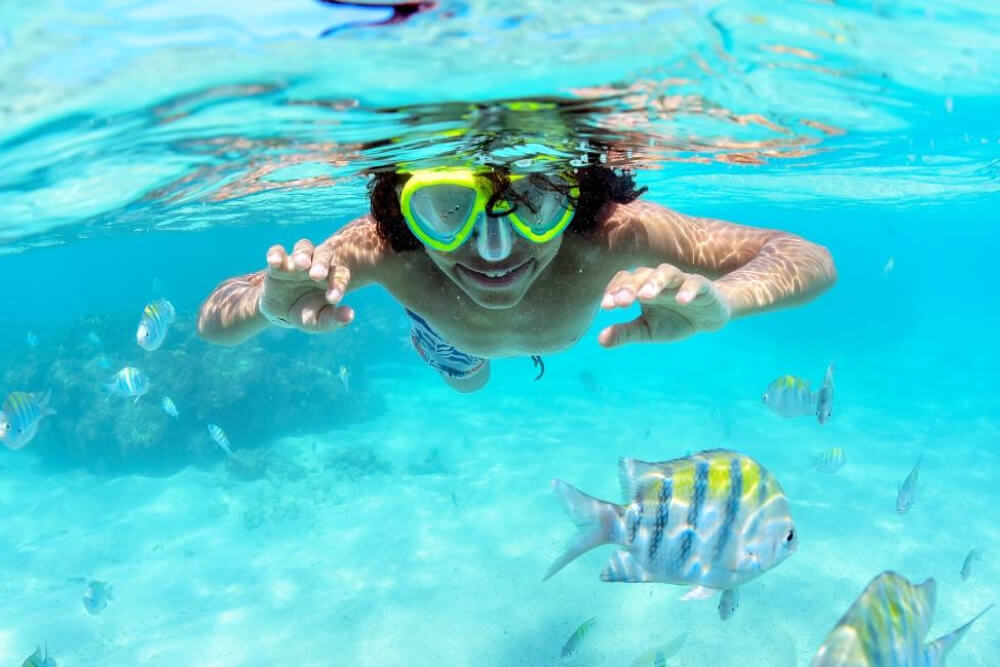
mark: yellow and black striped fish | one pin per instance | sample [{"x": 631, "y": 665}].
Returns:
[
  {"x": 886, "y": 626},
  {"x": 572, "y": 645},
  {"x": 20, "y": 416},
  {"x": 714, "y": 520},
  {"x": 129, "y": 381},
  {"x": 790, "y": 396},
  {"x": 156, "y": 319},
  {"x": 830, "y": 460}
]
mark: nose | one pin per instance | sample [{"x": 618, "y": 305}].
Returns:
[{"x": 494, "y": 238}]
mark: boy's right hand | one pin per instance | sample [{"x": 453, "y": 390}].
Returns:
[{"x": 305, "y": 287}]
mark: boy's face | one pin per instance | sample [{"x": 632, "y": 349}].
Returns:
[{"x": 497, "y": 284}]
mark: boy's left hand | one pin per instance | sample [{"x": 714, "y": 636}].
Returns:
[{"x": 674, "y": 305}]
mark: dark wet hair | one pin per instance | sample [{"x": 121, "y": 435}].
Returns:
[{"x": 598, "y": 186}]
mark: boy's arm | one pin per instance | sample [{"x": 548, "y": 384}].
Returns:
[
  {"x": 230, "y": 315},
  {"x": 302, "y": 288},
  {"x": 754, "y": 269}
]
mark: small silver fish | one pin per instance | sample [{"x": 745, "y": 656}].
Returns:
[
  {"x": 156, "y": 319},
  {"x": 169, "y": 407},
  {"x": 657, "y": 657},
  {"x": 824, "y": 397},
  {"x": 345, "y": 377},
  {"x": 973, "y": 556},
  {"x": 20, "y": 416},
  {"x": 886, "y": 626},
  {"x": 790, "y": 396},
  {"x": 95, "y": 340},
  {"x": 39, "y": 659},
  {"x": 830, "y": 461},
  {"x": 220, "y": 438},
  {"x": 908, "y": 490},
  {"x": 572, "y": 645},
  {"x": 889, "y": 266},
  {"x": 129, "y": 381},
  {"x": 32, "y": 339},
  {"x": 96, "y": 599},
  {"x": 729, "y": 602}
]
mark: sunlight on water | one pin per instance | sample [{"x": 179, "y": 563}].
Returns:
[{"x": 132, "y": 115}]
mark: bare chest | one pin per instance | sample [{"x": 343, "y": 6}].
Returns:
[{"x": 555, "y": 312}]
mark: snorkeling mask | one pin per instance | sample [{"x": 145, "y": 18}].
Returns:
[{"x": 442, "y": 207}]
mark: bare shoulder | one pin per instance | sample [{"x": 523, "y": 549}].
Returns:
[
  {"x": 639, "y": 231},
  {"x": 360, "y": 233},
  {"x": 358, "y": 246}
]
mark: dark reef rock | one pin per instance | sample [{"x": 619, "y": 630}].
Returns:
[{"x": 280, "y": 383}]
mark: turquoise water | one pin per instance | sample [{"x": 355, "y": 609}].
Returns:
[{"x": 149, "y": 150}]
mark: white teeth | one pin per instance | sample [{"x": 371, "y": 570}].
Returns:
[{"x": 496, "y": 274}]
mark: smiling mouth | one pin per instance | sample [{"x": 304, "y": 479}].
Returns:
[{"x": 497, "y": 278}]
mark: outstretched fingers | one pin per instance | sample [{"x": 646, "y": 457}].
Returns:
[
  {"x": 314, "y": 315},
  {"x": 636, "y": 331},
  {"x": 692, "y": 287},
  {"x": 302, "y": 253},
  {"x": 642, "y": 284},
  {"x": 277, "y": 258}
]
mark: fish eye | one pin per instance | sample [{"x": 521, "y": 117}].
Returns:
[{"x": 790, "y": 536}]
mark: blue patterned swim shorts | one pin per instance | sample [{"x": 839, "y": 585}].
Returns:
[{"x": 438, "y": 353}]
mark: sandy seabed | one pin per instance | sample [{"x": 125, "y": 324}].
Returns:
[{"x": 422, "y": 538}]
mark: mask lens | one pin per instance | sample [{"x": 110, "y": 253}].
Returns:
[
  {"x": 441, "y": 210},
  {"x": 540, "y": 205}
]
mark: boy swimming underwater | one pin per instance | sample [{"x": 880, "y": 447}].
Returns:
[{"x": 491, "y": 262}]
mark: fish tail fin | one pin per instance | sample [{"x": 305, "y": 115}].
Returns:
[
  {"x": 46, "y": 398},
  {"x": 599, "y": 522},
  {"x": 935, "y": 652}
]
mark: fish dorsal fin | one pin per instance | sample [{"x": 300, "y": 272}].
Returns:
[
  {"x": 935, "y": 652},
  {"x": 637, "y": 476},
  {"x": 698, "y": 593}
]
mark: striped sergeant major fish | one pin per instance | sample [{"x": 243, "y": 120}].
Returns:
[
  {"x": 168, "y": 406},
  {"x": 729, "y": 602},
  {"x": 830, "y": 460},
  {"x": 20, "y": 416},
  {"x": 824, "y": 397},
  {"x": 714, "y": 521},
  {"x": 886, "y": 626},
  {"x": 129, "y": 381},
  {"x": 973, "y": 556},
  {"x": 657, "y": 657},
  {"x": 97, "y": 596},
  {"x": 39, "y": 659},
  {"x": 908, "y": 490},
  {"x": 572, "y": 645},
  {"x": 220, "y": 438},
  {"x": 790, "y": 396},
  {"x": 156, "y": 319}
]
